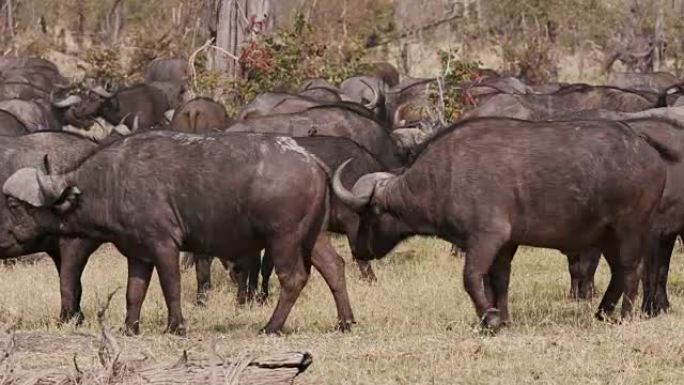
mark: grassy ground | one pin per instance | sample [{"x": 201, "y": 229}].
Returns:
[{"x": 416, "y": 325}]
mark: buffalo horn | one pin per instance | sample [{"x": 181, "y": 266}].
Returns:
[{"x": 346, "y": 196}]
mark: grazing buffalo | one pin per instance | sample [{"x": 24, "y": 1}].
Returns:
[
  {"x": 167, "y": 70},
  {"x": 332, "y": 151},
  {"x": 156, "y": 193},
  {"x": 143, "y": 102},
  {"x": 571, "y": 98},
  {"x": 64, "y": 151},
  {"x": 489, "y": 185},
  {"x": 199, "y": 116},
  {"x": 334, "y": 120}
]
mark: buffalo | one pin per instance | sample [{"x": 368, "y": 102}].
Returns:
[
  {"x": 167, "y": 70},
  {"x": 199, "y": 116},
  {"x": 652, "y": 82},
  {"x": 64, "y": 150},
  {"x": 489, "y": 185},
  {"x": 142, "y": 102},
  {"x": 332, "y": 151},
  {"x": 157, "y": 193},
  {"x": 334, "y": 120}
]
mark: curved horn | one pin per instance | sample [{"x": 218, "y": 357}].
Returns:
[
  {"x": 346, "y": 196},
  {"x": 136, "y": 123},
  {"x": 51, "y": 187},
  {"x": 68, "y": 102},
  {"x": 99, "y": 90},
  {"x": 376, "y": 96}
]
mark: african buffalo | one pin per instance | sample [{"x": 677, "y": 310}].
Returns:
[
  {"x": 35, "y": 115},
  {"x": 654, "y": 82},
  {"x": 369, "y": 91},
  {"x": 199, "y": 116},
  {"x": 270, "y": 103},
  {"x": 321, "y": 94},
  {"x": 668, "y": 221},
  {"x": 489, "y": 185},
  {"x": 167, "y": 70},
  {"x": 572, "y": 98},
  {"x": 156, "y": 193},
  {"x": 332, "y": 151},
  {"x": 333, "y": 120},
  {"x": 64, "y": 151},
  {"x": 143, "y": 102},
  {"x": 10, "y": 125},
  {"x": 387, "y": 72}
]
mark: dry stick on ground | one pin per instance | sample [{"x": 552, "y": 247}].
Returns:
[{"x": 275, "y": 369}]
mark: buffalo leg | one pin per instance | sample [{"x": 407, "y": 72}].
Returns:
[
  {"x": 293, "y": 272},
  {"x": 203, "y": 272},
  {"x": 582, "y": 266},
  {"x": 139, "y": 274},
  {"x": 74, "y": 254},
  {"x": 331, "y": 266},
  {"x": 479, "y": 259},
  {"x": 266, "y": 271},
  {"x": 655, "y": 277},
  {"x": 499, "y": 279},
  {"x": 168, "y": 269},
  {"x": 633, "y": 249}
]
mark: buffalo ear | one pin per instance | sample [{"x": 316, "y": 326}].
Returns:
[{"x": 23, "y": 185}]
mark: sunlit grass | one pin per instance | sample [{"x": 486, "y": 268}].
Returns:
[{"x": 416, "y": 325}]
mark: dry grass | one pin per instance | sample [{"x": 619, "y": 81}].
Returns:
[{"x": 416, "y": 325}]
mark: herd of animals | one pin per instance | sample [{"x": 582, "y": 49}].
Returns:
[{"x": 588, "y": 170}]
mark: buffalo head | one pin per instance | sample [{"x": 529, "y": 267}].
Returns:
[
  {"x": 380, "y": 230},
  {"x": 35, "y": 199}
]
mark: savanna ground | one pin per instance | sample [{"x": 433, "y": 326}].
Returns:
[{"x": 415, "y": 325}]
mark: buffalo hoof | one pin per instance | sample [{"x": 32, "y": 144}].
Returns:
[
  {"x": 602, "y": 316},
  {"x": 345, "y": 326},
  {"x": 75, "y": 317},
  {"x": 202, "y": 300},
  {"x": 491, "y": 322},
  {"x": 177, "y": 330},
  {"x": 272, "y": 332},
  {"x": 653, "y": 307},
  {"x": 261, "y": 298},
  {"x": 131, "y": 330}
]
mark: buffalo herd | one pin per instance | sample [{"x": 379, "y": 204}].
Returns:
[{"x": 589, "y": 170}]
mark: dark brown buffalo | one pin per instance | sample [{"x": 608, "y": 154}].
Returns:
[
  {"x": 337, "y": 121},
  {"x": 321, "y": 94},
  {"x": 332, "y": 151},
  {"x": 490, "y": 185},
  {"x": 407, "y": 102},
  {"x": 22, "y": 90},
  {"x": 368, "y": 91},
  {"x": 167, "y": 70},
  {"x": 157, "y": 193},
  {"x": 199, "y": 116},
  {"x": 652, "y": 81},
  {"x": 142, "y": 102},
  {"x": 571, "y": 98},
  {"x": 35, "y": 114},
  {"x": 387, "y": 72},
  {"x": 270, "y": 103},
  {"x": 667, "y": 224},
  {"x": 175, "y": 92},
  {"x": 10, "y": 125},
  {"x": 64, "y": 150}
]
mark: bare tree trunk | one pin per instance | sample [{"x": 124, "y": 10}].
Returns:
[
  {"x": 10, "y": 17},
  {"x": 238, "y": 21},
  {"x": 659, "y": 39}
]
